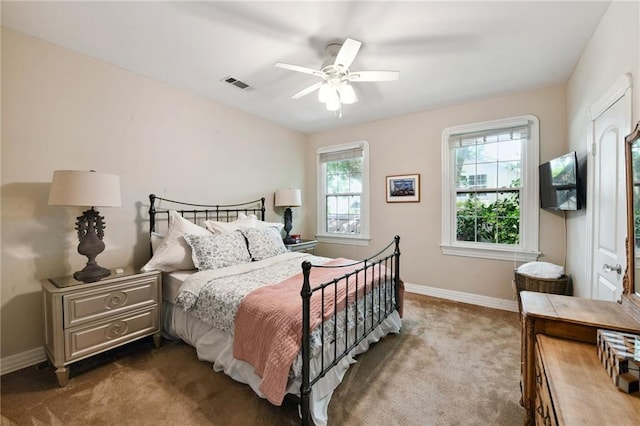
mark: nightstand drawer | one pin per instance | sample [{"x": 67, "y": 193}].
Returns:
[
  {"x": 94, "y": 338},
  {"x": 91, "y": 305}
]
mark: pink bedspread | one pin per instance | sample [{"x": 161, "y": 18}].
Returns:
[{"x": 268, "y": 326}]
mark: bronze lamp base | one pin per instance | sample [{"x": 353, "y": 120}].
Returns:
[{"x": 90, "y": 228}]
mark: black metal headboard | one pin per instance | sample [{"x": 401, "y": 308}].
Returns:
[{"x": 200, "y": 212}]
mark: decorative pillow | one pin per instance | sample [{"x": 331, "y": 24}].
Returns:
[
  {"x": 218, "y": 251},
  {"x": 264, "y": 243},
  {"x": 224, "y": 227},
  {"x": 174, "y": 254},
  {"x": 261, "y": 224}
]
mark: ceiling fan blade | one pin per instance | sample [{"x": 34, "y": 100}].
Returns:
[
  {"x": 357, "y": 76},
  {"x": 307, "y": 90},
  {"x": 299, "y": 68},
  {"x": 347, "y": 52}
]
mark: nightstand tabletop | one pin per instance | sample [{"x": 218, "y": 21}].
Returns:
[
  {"x": 69, "y": 281},
  {"x": 308, "y": 246}
]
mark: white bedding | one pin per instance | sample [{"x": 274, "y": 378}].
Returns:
[
  {"x": 216, "y": 344},
  {"x": 171, "y": 283}
]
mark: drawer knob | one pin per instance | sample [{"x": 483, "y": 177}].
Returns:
[
  {"x": 116, "y": 329},
  {"x": 115, "y": 300}
]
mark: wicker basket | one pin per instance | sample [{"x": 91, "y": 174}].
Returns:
[{"x": 543, "y": 285}]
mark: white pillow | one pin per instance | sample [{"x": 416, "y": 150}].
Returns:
[
  {"x": 219, "y": 250},
  {"x": 264, "y": 243},
  {"x": 541, "y": 270},
  {"x": 261, "y": 224},
  {"x": 224, "y": 227},
  {"x": 174, "y": 254},
  {"x": 156, "y": 239}
]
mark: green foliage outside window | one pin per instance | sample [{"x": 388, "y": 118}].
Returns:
[{"x": 497, "y": 222}]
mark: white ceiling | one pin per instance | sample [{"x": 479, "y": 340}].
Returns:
[{"x": 447, "y": 52}]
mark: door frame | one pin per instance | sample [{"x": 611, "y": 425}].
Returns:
[{"x": 617, "y": 91}]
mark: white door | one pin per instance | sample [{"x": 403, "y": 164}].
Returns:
[{"x": 611, "y": 123}]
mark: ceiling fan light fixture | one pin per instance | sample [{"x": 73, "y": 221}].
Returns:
[
  {"x": 324, "y": 92},
  {"x": 335, "y": 88},
  {"x": 347, "y": 94},
  {"x": 333, "y": 101}
]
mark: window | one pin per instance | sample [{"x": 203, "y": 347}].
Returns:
[
  {"x": 490, "y": 189},
  {"x": 477, "y": 181},
  {"x": 343, "y": 193}
]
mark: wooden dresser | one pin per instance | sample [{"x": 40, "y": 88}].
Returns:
[{"x": 563, "y": 381}]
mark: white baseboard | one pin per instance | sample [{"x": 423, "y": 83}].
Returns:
[
  {"x": 458, "y": 296},
  {"x": 22, "y": 360}
]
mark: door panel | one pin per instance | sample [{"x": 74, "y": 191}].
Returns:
[{"x": 609, "y": 202}]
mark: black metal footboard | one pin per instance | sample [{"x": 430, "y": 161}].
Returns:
[{"x": 376, "y": 296}]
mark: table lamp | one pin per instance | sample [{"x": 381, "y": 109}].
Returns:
[
  {"x": 87, "y": 189},
  {"x": 288, "y": 198}
]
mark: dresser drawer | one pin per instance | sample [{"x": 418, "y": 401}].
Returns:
[
  {"x": 97, "y": 337},
  {"x": 93, "y": 305},
  {"x": 544, "y": 411}
]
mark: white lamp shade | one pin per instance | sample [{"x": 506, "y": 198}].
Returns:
[
  {"x": 347, "y": 94},
  {"x": 323, "y": 93},
  {"x": 333, "y": 100},
  {"x": 84, "y": 188},
  {"x": 288, "y": 198}
]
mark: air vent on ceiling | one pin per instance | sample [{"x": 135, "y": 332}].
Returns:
[{"x": 237, "y": 83}]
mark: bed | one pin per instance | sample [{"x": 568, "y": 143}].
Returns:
[{"x": 288, "y": 324}]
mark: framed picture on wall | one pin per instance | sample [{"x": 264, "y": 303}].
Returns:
[{"x": 403, "y": 189}]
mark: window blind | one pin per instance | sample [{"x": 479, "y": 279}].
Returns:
[
  {"x": 489, "y": 136},
  {"x": 347, "y": 154}
]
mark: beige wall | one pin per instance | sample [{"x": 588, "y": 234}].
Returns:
[
  {"x": 63, "y": 110},
  {"x": 613, "y": 51},
  {"x": 412, "y": 144}
]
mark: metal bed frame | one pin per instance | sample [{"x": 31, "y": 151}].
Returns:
[{"x": 388, "y": 285}]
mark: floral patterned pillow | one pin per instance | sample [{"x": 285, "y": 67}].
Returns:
[
  {"x": 264, "y": 243},
  {"x": 218, "y": 251}
]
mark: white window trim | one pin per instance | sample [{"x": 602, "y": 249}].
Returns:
[
  {"x": 364, "y": 237},
  {"x": 527, "y": 250}
]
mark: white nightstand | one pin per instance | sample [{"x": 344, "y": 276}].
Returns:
[
  {"x": 85, "y": 319},
  {"x": 307, "y": 246}
]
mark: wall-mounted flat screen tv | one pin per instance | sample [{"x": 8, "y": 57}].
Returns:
[{"x": 560, "y": 183}]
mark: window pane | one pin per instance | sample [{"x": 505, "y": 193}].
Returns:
[
  {"x": 488, "y": 217},
  {"x": 467, "y": 206},
  {"x": 487, "y": 153},
  {"x": 463, "y": 174},
  {"x": 355, "y": 183},
  {"x": 343, "y": 214},
  {"x": 465, "y": 155},
  {"x": 510, "y": 150},
  {"x": 508, "y": 174},
  {"x": 491, "y": 172},
  {"x": 344, "y": 176},
  {"x": 508, "y": 214}
]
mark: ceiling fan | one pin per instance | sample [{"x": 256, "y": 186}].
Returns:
[{"x": 335, "y": 88}]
